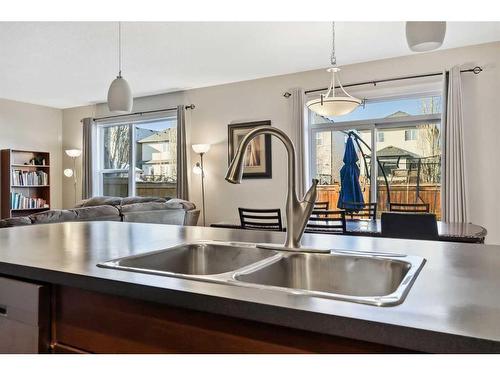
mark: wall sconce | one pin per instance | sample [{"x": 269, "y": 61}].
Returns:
[{"x": 201, "y": 149}]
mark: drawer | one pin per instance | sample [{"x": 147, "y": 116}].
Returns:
[
  {"x": 21, "y": 301},
  {"x": 24, "y": 317}
]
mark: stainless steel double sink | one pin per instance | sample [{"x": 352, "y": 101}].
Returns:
[{"x": 364, "y": 277}]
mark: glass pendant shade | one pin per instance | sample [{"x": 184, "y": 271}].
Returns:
[
  {"x": 68, "y": 172},
  {"x": 425, "y": 36},
  {"x": 120, "y": 96},
  {"x": 329, "y": 104},
  {"x": 337, "y": 106}
]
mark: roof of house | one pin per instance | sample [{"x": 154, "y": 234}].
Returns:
[
  {"x": 398, "y": 114},
  {"x": 395, "y": 152},
  {"x": 162, "y": 136}
]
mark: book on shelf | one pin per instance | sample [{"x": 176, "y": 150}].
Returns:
[
  {"x": 29, "y": 178},
  {"x": 20, "y": 202}
]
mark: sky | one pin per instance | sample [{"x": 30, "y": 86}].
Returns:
[
  {"x": 158, "y": 125},
  {"x": 379, "y": 109}
]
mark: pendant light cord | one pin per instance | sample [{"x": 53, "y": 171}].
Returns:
[
  {"x": 333, "y": 58},
  {"x": 119, "y": 49}
]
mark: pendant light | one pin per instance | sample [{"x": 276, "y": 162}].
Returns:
[
  {"x": 425, "y": 36},
  {"x": 330, "y": 104},
  {"x": 119, "y": 93}
]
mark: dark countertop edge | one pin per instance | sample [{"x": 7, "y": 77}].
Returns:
[{"x": 381, "y": 333}]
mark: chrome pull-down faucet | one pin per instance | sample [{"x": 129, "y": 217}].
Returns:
[{"x": 297, "y": 211}]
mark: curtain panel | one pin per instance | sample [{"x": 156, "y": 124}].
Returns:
[
  {"x": 182, "y": 167},
  {"x": 454, "y": 186},
  {"x": 299, "y": 133},
  {"x": 88, "y": 149}
]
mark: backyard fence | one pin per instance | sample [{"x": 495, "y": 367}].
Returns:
[{"x": 428, "y": 193}]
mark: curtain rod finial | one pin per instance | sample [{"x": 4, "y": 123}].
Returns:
[
  {"x": 287, "y": 94},
  {"x": 477, "y": 70}
]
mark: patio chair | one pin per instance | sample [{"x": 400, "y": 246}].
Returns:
[
  {"x": 365, "y": 210},
  {"x": 331, "y": 222},
  {"x": 409, "y": 207}
]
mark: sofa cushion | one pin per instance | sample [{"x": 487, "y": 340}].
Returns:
[
  {"x": 15, "y": 222},
  {"x": 148, "y": 206},
  {"x": 161, "y": 216},
  {"x": 180, "y": 203},
  {"x": 98, "y": 213},
  {"x": 99, "y": 201},
  {"x": 52, "y": 216},
  {"x": 132, "y": 200}
]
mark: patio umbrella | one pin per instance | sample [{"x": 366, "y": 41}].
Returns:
[{"x": 350, "y": 190}]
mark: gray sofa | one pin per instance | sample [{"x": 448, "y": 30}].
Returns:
[{"x": 130, "y": 209}]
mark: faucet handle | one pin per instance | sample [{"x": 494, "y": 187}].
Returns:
[{"x": 310, "y": 196}]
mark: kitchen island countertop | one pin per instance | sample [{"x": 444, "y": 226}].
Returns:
[{"x": 453, "y": 306}]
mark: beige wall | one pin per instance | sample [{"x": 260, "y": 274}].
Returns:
[
  {"x": 33, "y": 127},
  {"x": 72, "y": 138},
  {"x": 262, "y": 100}
]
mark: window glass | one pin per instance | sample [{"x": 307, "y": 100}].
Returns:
[
  {"x": 156, "y": 158},
  {"x": 116, "y": 147},
  {"x": 329, "y": 161},
  {"x": 409, "y": 169},
  {"x": 407, "y": 154},
  {"x": 147, "y": 166},
  {"x": 115, "y": 184},
  {"x": 388, "y": 108}
]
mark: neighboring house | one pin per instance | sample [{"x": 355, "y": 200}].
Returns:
[{"x": 157, "y": 155}]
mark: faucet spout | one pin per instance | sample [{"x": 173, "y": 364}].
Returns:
[{"x": 297, "y": 211}]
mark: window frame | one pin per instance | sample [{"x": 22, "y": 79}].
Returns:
[
  {"x": 100, "y": 171},
  {"x": 373, "y": 125}
]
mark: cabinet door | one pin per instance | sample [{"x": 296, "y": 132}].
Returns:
[{"x": 24, "y": 317}]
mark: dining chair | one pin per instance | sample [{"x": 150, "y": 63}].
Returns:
[
  {"x": 365, "y": 210},
  {"x": 409, "y": 207},
  {"x": 321, "y": 205},
  {"x": 324, "y": 221},
  {"x": 416, "y": 226},
  {"x": 261, "y": 219}
]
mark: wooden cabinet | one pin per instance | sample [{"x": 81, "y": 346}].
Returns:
[
  {"x": 24, "y": 317},
  {"x": 85, "y": 321}
]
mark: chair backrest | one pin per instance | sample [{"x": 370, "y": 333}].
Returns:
[
  {"x": 321, "y": 205},
  {"x": 365, "y": 210},
  {"x": 324, "y": 221},
  {"x": 261, "y": 219},
  {"x": 409, "y": 207},
  {"x": 421, "y": 226}
]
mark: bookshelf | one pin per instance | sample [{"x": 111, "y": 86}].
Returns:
[{"x": 25, "y": 182}]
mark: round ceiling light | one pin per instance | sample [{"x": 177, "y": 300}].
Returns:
[
  {"x": 329, "y": 104},
  {"x": 425, "y": 36}
]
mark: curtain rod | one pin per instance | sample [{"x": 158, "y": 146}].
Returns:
[
  {"x": 475, "y": 70},
  {"x": 190, "y": 106}
]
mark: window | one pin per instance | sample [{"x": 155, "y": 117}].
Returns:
[
  {"x": 137, "y": 158},
  {"x": 411, "y": 135},
  {"x": 405, "y": 136}
]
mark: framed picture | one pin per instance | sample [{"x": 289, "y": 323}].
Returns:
[{"x": 258, "y": 157}]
